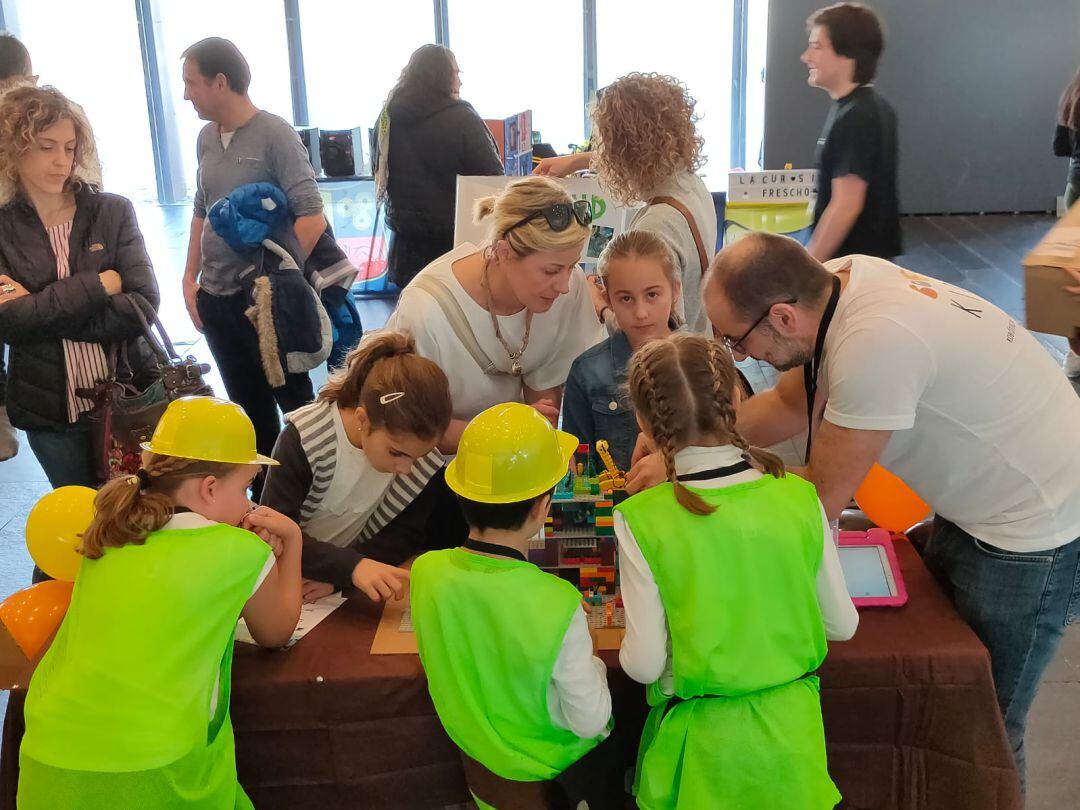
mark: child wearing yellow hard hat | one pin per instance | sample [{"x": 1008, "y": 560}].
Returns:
[
  {"x": 129, "y": 708},
  {"x": 506, "y": 647}
]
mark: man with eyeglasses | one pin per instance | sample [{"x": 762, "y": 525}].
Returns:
[{"x": 949, "y": 393}]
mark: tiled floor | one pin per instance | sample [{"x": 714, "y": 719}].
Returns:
[{"x": 981, "y": 253}]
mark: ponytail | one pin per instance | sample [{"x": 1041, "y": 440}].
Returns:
[
  {"x": 400, "y": 390},
  {"x": 124, "y": 515},
  {"x": 127, "y": 510}
]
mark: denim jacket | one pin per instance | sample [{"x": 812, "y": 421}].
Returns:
[{"x": 595, "y": 404}]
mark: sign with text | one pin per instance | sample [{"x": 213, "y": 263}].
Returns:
[{"x": 787, "y": 186}]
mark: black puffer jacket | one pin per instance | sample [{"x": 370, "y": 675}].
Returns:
[
  {"x": 433, "y": 139},
  {"x": 104, "y": 236}
]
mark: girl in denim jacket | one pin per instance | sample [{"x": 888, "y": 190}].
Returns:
[{"x": 642, "y": 289}]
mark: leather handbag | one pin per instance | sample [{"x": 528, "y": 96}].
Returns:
[{"x": 125, "y": 413}]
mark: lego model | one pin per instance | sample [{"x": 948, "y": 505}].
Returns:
[
  {"x": 578, "y": 540},
  {"x": 612, "y": 478}
]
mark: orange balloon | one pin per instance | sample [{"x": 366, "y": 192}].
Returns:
[
  {"x": 889, "y": 502},
  {"x": 33, "y": 614}
]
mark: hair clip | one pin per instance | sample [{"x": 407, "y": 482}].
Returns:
[{"x": 386, "y": 399}]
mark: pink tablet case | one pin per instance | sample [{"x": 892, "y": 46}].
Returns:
[{"x": 878, "y": 537}]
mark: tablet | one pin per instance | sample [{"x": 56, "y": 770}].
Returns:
[{"x": 870, "y": 569}]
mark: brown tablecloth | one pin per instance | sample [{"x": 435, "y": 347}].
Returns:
[{"x": 910, "y": 717}]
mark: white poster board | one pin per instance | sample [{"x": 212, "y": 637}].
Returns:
[
  {"x": 609, "y": 217},
  {"x": 787, "y": 186}
]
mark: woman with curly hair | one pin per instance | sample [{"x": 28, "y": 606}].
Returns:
[
  {"x": 68, "y": 257},
  {"x": 646, "y": 150},
  {"x": 16, "y": 70}
]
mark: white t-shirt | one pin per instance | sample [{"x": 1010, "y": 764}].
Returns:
[
  {"x": 356, "y": 489},
  {"x": 557, "y": 337},
  {"x": 985, "y": 426}
]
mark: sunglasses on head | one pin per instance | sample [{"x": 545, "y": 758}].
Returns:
[{"x": 559, "y": 215}]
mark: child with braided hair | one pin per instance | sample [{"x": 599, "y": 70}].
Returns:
[
  {"x": 130, "y": 705},
  {"x": 731, "y": 585}
]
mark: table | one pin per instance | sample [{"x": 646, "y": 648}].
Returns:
[{"x": 911, "y": 719}]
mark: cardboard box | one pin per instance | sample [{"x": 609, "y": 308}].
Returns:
[{"x": 1048, "y": 308}]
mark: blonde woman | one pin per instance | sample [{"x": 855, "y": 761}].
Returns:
[
  {"x": 506, "y": 319},
  {"x": 646, "y": 150},
  {"x": 67, "y": 255}
]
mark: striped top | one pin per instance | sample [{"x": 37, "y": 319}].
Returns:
[
  {"x": 347, "y": 504},
  {"x": 85, "y": 363}
]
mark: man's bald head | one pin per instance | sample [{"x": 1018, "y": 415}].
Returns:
[{"x": 763, "y": 268}]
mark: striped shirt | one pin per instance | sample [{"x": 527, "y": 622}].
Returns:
[
  {"x": 335, "y": 504},
  {"x": 85, "y": 363}
]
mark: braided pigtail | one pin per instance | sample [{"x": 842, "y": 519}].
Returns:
[
  {"x": 656, "y": 378},
  {"x": 723, "y": 372}
]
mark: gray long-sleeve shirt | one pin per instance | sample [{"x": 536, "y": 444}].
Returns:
[{"x": 264, "y": 150}]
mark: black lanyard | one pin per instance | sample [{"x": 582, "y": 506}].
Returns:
[
  {"x": 494, "y": 548},
  {"x": 718, "y": 472},
  {"x": 811, "y": 369}
]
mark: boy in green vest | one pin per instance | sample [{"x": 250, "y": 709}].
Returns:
[{"x": 506, "y": 647}]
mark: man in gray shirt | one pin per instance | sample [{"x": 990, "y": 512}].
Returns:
[{"x": 241, "y": 144}]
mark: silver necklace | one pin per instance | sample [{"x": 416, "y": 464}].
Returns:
[{"x": 515, "y": 356}]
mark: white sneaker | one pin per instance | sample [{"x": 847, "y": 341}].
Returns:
[
  {"x": 9, "y": 439},
  {"x": 1072, "y": 365}
]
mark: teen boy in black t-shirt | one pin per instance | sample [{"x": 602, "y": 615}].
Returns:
[{"x": 857, "y": 209}]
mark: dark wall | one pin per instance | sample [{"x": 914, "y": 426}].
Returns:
[{"x": 975, "y": 84}]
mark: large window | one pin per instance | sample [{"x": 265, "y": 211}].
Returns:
[
  {"x": 522, "y": 56},
  {"x": 512, "y": 58},
  {"x": 257, "y": 27},
  {"x": 689, "y": 40},
  {"x": 353, "y": 54},
  {"x": 757, "y": 39},
  {"x": 107, "y": 80}
]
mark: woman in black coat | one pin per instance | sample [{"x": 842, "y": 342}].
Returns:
[
  {"x": 425, "y": 138},
  {"x": 69, "y": 257}
]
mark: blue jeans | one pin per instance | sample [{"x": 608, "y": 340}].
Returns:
[
  {"x": 1018, "y": 604},
  {"x": 66, "y": 455}
]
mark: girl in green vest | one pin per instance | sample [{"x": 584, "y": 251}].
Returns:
[
  {"x": 731, "y": 585},
  {"x": 129, "y": 708}
]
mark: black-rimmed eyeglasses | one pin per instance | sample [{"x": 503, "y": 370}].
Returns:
[{"x": 736, "y": 344}]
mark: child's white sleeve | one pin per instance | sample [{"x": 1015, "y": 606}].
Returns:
[
  {"x": 841, "y": 618},
  {"x": 643, "y": 654},
  {"x": 579, "y": 699}
]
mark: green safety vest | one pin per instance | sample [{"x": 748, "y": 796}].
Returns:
[
  {"x": 121, "y": 702},
  {"x": 489, "y": 632},
  {"x": 739, "y": 593}
]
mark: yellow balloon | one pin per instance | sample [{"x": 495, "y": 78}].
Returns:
[{"x": 53, "y": 528}]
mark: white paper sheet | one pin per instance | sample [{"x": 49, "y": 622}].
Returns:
[{"x": 310, "y": 615}]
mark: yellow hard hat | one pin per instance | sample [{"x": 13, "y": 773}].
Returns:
[
  {"x": 509, "y": 453},
  {"x": 206, "y": 429}
]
